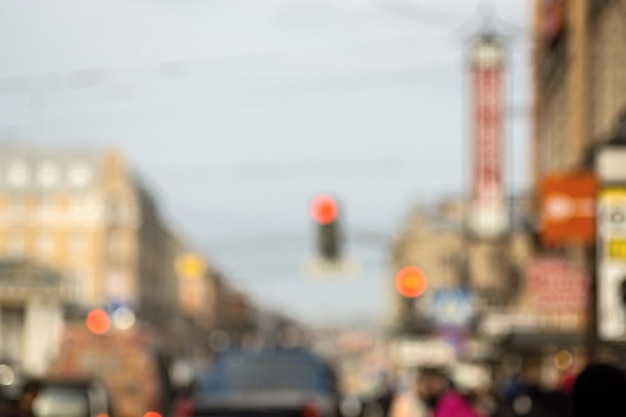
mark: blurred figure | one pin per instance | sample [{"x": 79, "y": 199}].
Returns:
[
  {"x": 533, "y": 401},
  {"x": 437, "y": 391},
  {"x": 387, "y": 395},
  {"x": 406, "y": 403},
  {"x": 184, "y": 403},
  {"x": 24, "y": 405},
  {"x": 600, "y": 390}
]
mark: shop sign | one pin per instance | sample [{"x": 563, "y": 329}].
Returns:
[
  {"x": 567, "y": 209},
  {"x": 555, "y": 286}
]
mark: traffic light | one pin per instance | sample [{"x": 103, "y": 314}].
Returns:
[
  {"x": 411, "y": 282},
  {"x": 324, "y": 211},
  {"x": 98, "y": 321}
]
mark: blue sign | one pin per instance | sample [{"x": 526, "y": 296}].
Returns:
[{"x": 452, "y": 308}]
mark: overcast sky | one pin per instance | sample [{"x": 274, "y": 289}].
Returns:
[{"x": 237, "y": 112}]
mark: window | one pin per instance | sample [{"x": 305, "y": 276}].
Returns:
[
  {"x": 46, "y": 211},
  {"x": 16, "y": 211},
  {"x": 15, "y": 246},
  {"x": 76, "y": 244},
  {"x": 48, "y": 175},
  {"x": 75, "y": 287},
  {"x": 17, "y": 174},
  {"x": 117, "y": 246},
  {"x": 79, "y": 175},
  {"x": 69, "y": 401},
  {"x": 45, "y": 245}
]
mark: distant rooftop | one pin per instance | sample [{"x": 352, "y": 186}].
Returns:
[{"x": 29, "y": 169}]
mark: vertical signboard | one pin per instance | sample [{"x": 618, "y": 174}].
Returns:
[
  {"x": 488, "y": 214},
  {"x": 611, "y": 264}
]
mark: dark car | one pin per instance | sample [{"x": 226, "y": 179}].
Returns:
[
  {"x": 72, "y": 398},
  {"x": 268, "y": 383}
]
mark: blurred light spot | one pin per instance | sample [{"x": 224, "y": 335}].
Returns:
[
  {"x": 7, "y": 376},
  {"x": 152, "y": 414},
  {"x": 563, "y": 360},
  {"x": 324, "y": 209},
  {"x": 98, "y": 321},
  {"x": 411, "y": 282},
  {"x": 124, "y": 318},
  {"x": 522, "y": 405}
]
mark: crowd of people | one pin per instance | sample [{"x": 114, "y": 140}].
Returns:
[{"x": 598, "y": 391}]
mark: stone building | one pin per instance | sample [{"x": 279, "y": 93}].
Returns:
[
  {"x": 86, "y": 214},
  {"x": 579, "y": 82}
]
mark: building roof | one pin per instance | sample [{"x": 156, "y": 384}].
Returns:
[{"x": 37, "y": 169}]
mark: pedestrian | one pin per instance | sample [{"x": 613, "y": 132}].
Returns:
[
  {"x": 600, "y": 390},
  {"x": 405, "y": 404},
  {"x": 23, "y": 407},
  {"x": 437, "y": 391}
]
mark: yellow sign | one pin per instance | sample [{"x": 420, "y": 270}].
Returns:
[
  {"x": 191, "y": 266},
  {"x": 613, "y": 194},
  {"x": 616, "y": 249}
]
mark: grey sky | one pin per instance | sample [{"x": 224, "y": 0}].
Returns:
[{"x": 262, "y": 104}]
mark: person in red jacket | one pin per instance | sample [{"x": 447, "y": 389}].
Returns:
[{"x": 437, "y": 391}]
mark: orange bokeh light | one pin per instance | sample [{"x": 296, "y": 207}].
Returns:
[
  {"x": 98, "y": 321},
  {"x": 324, "y": 209},
  {"x": 152, "y": 414},
  {"x": 411, "y": 282}
]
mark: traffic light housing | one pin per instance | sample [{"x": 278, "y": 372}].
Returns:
[{"x": 324, "y": 211}]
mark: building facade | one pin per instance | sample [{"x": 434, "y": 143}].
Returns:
[
  {"x": 579, "y": 82},
  {"x": 435, "y": 240},
  {"x": 85, "y": 214},
  {"x": 31, "y": 314}
]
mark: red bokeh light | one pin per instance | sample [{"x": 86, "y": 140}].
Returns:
[
  {"x": 152, "y": 414},
  {"x": 324, "y": 209},
  {"x": 98, "y": 321},
  {"x": 411, "y": 282}
]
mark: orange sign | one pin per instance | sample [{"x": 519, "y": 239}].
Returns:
[{"x": 567, "y": 209}]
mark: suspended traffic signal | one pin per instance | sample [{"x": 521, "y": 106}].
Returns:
[
  {"x": 411, "y": 282},
  {"x": 324, "y": 211}
]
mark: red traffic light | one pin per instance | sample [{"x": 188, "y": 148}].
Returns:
[
  {"x": 411, "y": 282},
  {"x": 324, "y": 209},
  {"x": 98, "y": 321}
]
